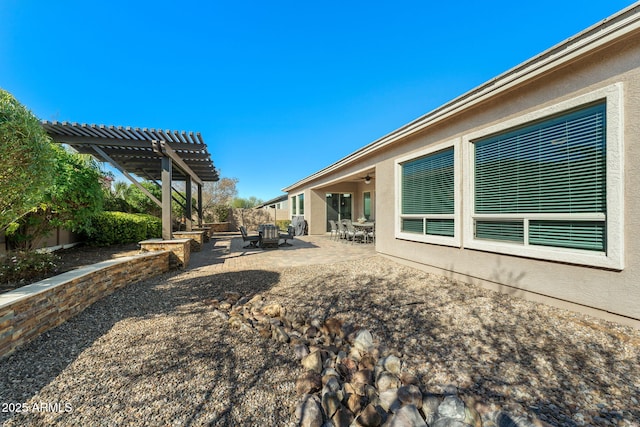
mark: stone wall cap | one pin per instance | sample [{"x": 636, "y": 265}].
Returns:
[
  {"x": 164, "y": 241},
  {"x": 179, "y": 233}
]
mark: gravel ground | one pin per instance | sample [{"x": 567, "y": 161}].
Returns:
[{"x": 153, "y": 353}]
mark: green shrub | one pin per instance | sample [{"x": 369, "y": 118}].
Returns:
[
  {"x": 25, "y": 267},
  {"x": 282, "y": 224},
  {"x": 112, "y": 228}
]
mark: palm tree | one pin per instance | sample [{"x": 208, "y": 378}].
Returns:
[{"x": 120, "y": 189}]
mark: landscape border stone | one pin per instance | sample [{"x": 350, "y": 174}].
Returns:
[{"x": 352, "y": 379}]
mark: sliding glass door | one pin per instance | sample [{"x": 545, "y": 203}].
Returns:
[{"x": 339, "y": 207}]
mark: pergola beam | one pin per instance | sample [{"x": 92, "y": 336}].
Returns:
[
  {"x": 167, "y": 150},
  {"x": 126, "y": 174}
]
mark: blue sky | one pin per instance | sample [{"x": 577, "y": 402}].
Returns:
[{"x": 302, "y": 84}]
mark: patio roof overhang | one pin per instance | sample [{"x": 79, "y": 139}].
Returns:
[{"x": 156, "y": 155}]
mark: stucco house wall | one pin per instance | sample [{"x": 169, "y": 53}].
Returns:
[{"x": 542, "y": 87}]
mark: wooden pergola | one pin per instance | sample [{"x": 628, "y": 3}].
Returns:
[{"x": 160, "y": 156}]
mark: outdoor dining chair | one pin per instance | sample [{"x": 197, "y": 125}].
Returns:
[
  {"x": 334, "y": 229},
  {"x": 289, "y": 235},
  {"x": 342, "y": 230},
  {"x": 353, "y": 234},
  {"x": 370, "y": 234},
  {"x": 253, "y": 239}
]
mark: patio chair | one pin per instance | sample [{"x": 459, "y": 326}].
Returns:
[
  {"x": 353, "y": 234},
  {"x": 370, "y": 234},
  {"x": 269, "y": 236},
  {"x": 334, "y": 229},
  {"x": 342, "y": 230},
  {"x": 253, "y": 239},
  {"x": 291, "y": 231}
]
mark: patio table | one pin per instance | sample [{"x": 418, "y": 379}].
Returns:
[{"x": 365, "y": 227}]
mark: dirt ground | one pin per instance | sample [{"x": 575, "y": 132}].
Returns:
[{"x": 80, "y": 256}]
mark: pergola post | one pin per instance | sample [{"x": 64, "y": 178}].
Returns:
[
  {"x": 200, "y": 219},
  {"x": 166, "y": 198},
  {"x": 188, "y": 212}
]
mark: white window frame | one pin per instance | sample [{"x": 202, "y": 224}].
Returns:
[
  {"x": 295, "y": 208},
  {"x": 456, "y": 240},
  {"x": 303, "y": 204},
  {"x": 614, "y": 256},
  {"x": 370, "y": 205}
]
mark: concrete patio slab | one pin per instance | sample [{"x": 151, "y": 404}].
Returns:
[{"x": 227, "y": 252}]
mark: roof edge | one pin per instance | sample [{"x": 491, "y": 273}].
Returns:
[{"x": 278, "y": 199}]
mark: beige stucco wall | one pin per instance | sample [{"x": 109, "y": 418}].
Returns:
[
  {"x": 315, "y": 211},
  {"x": 607, "y": 293},
  {"x": 616, "y": 292}
]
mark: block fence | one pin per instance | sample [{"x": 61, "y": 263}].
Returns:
[{"x": 28, "y": 311}]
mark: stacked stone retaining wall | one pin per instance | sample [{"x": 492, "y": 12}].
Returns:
[{"x": 28, "y": 311}]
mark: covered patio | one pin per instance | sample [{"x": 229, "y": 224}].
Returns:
[{"x": 348, "y": 196}]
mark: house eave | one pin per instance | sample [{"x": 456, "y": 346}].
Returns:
[{"x": 616, "y": 27}]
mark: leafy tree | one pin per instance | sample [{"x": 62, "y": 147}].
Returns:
[
  {"x": 124, "y": 197},
  {"x": 115, "y": 198},
  {"x": 26, "y": 160},
  {"x": 140, "y": 202},
  {"x": 221, "y": 192},
  {"x": 121, "y": 189},
  {"x": 251, "y": 202},
  {"x": 77, "y": 191},
  {"x": 72, "y": 198},
  {"x": 217, "y": 197}
]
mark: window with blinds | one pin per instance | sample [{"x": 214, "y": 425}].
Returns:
[
  {"x": 544, "y": 184},
  {"x": 427, "y": 195}
]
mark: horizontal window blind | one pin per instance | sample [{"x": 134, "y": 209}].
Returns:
[
  {"x": 427, "y": 184},
  {"x": 413, "y": 226},
  {"x": 440, "y": 227},
  {"x": 589, "y": 235},
  {"x": 427, "y": 194},
  {"x": 555, "y": 166},
  {"x": 510, "y": 231}
]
